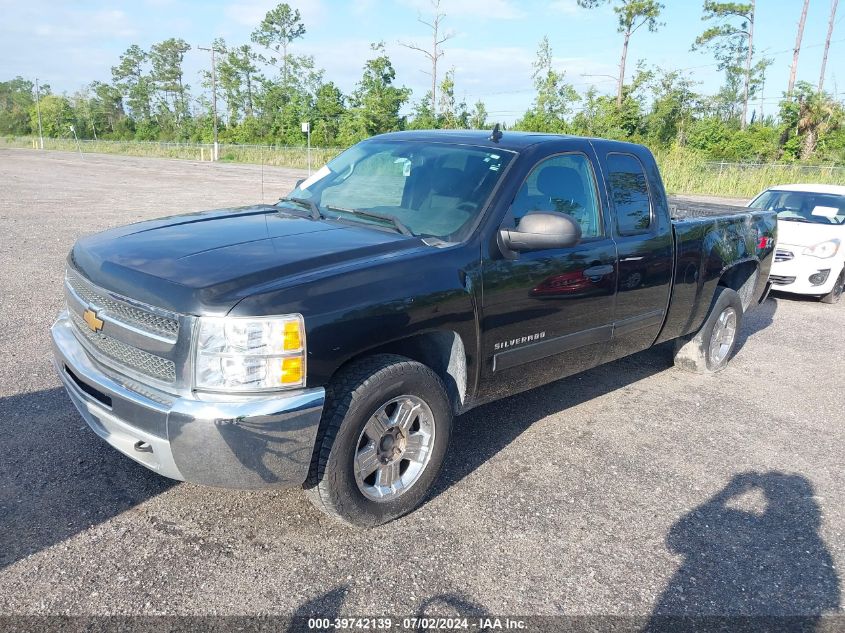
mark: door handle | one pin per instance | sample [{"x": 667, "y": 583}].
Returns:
[{"x": 599, "y": 271}]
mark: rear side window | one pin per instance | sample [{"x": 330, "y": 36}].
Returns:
[{"x": 629, "y": 193}]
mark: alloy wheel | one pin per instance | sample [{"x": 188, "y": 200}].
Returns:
[
  {"x": 724, "y": 335},
  {"x": 394, "y": 448}
]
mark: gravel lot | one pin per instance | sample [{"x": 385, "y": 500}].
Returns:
[{"x": 632, "y": 489}]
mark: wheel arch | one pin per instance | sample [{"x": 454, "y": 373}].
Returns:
[
  {"x": 742, "y": 278},
  {"x": 442, "y": 351}
]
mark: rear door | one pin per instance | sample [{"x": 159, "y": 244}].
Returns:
[
  {"x": 548, "y": 313},
  {"x": 642, "y": 231}
]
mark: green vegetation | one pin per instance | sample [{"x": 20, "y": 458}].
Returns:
[
  {"x": 265, "y": 92},
  {"x": 274, "y": 155},
  {"x": 631, "y": 15},
  {"x": 690, "y": 171}
]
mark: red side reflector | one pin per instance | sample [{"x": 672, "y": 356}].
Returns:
[{"x": 764, "y": 242}]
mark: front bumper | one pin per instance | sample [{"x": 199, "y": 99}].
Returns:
[
  {"x": 249, "y": 442},
  {"x": 794, "y": 274}
]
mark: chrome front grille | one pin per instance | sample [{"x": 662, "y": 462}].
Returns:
[
  {"x": 782, "y": 255},
  {"x": 132, "y": 357},
  {"x": 139, "y": 318},
  {"x": 139, "y": 341}
]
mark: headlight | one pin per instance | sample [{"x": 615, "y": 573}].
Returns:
[
  {"x": 250, "y": 354},
  {"x": 823, "y": 250}
]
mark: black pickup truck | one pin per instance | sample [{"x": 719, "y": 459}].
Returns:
[{"x": 328, "y": 340}]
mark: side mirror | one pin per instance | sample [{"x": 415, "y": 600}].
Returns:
[
  {"x": 299, "y": 182},
  {"x": 541, "y": 230}
]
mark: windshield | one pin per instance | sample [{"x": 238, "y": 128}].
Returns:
[
  {"x": 427, "y": 189},
  {"x": 803, "y": 206}
]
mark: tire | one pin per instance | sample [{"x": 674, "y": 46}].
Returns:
[
  {"x": 710, "y": 349},
  {"x": 399, "y": 398},
  {"x": 836, "y": 293}
]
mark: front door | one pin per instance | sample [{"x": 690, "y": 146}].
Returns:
[{"x": 549, "y": 313}]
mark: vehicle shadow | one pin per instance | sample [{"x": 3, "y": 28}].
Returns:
[
  {"x": 474, "y": 440},
  {"x": 789, "y": 296},
  {"x": 57, "y": 478},
  {"x": 753, "y": 559}
]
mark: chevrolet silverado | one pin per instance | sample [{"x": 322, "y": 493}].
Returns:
[{"x": 328, "y": 340}]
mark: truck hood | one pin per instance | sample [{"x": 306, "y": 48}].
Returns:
[
  {"x": 204, "y": 263},
  {"x": 806, "y": 234}
]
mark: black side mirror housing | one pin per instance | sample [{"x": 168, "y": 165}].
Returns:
[
  {"x": 299, "y": 182},
  {"x": 540, "y": 230}
]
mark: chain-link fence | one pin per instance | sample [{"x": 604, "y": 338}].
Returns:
[
  {"x": 687, "y": 174},
  {"x": 722, "y": 166}
]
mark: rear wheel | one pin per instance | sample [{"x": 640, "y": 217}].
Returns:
[
  {"x": 382, "y": 441},
  {"x": 836, "y": 294},
  {"x": 710, "y": 349}
]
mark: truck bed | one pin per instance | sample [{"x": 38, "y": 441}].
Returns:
[
  {"x": 709, "y": 237},
  {"x": 681, "y": 209}
]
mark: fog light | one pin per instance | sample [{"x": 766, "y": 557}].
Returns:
[{"x": 820, "y": 277}]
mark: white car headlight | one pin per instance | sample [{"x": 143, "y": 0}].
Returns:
[
  {"x": 250, "y": 354},
  {"x": 823, "y": 250}
]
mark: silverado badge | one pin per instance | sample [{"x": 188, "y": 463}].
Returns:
[
  {"x": 90, "y": 317},
  {"x": 519, "y": 341}
]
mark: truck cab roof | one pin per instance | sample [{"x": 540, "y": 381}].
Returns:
[{"x": 510, "y": 140}]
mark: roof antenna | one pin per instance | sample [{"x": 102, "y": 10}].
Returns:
[{"x": 496, "y": 136}]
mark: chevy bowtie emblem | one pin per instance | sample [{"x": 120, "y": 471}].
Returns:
[{"x": 91, "y": 319}]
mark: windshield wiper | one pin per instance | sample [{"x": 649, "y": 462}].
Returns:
[
  {"x": 308, "y": 204},
  {"x": 397, "y": 224},
  {"x": 794, "y": 219}
]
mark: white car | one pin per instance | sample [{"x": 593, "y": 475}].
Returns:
[{"x": 810, "y": 255}]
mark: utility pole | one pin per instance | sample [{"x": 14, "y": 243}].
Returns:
[
  {"x": 794, "y": 70},
  {"x": 214, "y": 51},
  {"x": 827, "y": 41},
  {"x": 38, "y": 109}
]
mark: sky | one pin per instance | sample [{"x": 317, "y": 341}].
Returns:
[{"x": 494, "y": 42}]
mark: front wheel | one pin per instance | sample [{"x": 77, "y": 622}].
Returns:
[
  {"x": 382, "y": 440},
  {"x": 710, "y": 349},
  {"x": 836, "y": 293}
]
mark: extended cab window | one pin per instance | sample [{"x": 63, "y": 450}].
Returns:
[
  {"x": 629, "y": 193},
  {"x": 563, "y": 184}
]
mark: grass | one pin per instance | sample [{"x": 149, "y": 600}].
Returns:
[
  {"x": 277, "y": 156},
  {"x": 684, "y": 171}
]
